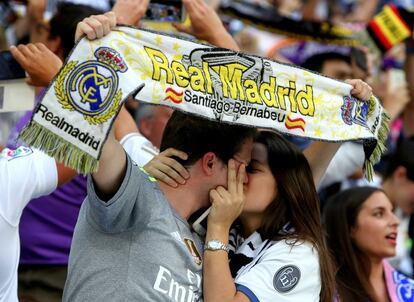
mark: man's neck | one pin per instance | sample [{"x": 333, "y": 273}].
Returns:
[{"x": 182, "y": 199}]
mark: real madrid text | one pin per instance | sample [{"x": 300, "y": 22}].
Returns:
[
  {"x": 62, "y": 124},
  {"x": 232, "y": 75},
  {"x": 220, "y": 106}
]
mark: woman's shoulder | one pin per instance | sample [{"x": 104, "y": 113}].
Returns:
[
  {"x": 285, "y": 271},
  {"x": 302, "y": 255},
  {"x": 293, "y": 249}
]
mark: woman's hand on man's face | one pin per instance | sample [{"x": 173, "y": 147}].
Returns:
[{"x": 227, "y": 204}]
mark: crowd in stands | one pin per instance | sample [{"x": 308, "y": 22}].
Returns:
[{"x": 289, "y": 219}]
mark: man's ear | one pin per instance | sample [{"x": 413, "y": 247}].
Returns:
[
  {"x": 400, "y": 173},
  {"x": 209, "y": 163},
  {"x": 55, "y": 45}
]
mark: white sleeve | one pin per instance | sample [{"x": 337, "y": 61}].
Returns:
[
  {"x": 349, "y": 157},
  {"x": 25, "y": 174},
  {"x": 140, "y": 149},
  {"x": 284, "y": 273}
]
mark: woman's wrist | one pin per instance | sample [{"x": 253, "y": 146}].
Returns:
[{"x": 218, "y": 232}]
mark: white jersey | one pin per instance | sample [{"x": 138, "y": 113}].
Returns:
[
  {"x": 278, "y": 271},
  {"x": 25, "y": 174},
  {"x": 139, "y": 148},
  {"x": 346, "y": 161}
]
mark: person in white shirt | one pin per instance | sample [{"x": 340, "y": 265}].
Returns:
[{"x": 25, "y": 174}]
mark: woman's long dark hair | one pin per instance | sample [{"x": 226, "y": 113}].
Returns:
[
  {"x": 340, "y": 215},
  {"x": 296, "y": 203}
]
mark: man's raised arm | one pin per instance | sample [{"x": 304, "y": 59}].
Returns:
[{"x": 112, "y": 163}]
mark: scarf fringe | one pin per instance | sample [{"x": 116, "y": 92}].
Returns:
[
  {"x": 53, "y": 145},
  {"x": 380, "y": 147}
]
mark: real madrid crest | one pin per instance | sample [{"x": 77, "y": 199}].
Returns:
[
  {"x": 193, "y": 251},
  {"x": 355, "y": 111},
  {"x": 91, "y": 87}
]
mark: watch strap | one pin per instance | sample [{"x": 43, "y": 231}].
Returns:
[{"x": 215, "y": 245}]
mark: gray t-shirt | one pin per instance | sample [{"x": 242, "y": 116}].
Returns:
[{"x": 134, "y": 247}]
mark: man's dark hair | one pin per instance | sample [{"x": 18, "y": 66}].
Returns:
[
  {"x": 315, "y": 63},
  {"x": 64, "y": 21},
  {"x": 196, "y": 136},
  {"x": 403, "y": 156}
]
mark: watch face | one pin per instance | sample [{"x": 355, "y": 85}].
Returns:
[{"x": 214, "y": 244}]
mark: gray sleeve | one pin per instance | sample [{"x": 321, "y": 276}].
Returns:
[{"x": 122, "y": 211}]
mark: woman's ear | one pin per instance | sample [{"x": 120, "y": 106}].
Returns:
[{"x": 353, "y": 231}]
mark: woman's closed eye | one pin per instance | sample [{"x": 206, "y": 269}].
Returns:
[
  {"x": 249, "y": 169},
  {"x": 252, "y": 168}
]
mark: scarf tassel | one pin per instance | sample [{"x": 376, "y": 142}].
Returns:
[
  {"x": 53, "y": 145},
  {"x": 380, "y": 147}
]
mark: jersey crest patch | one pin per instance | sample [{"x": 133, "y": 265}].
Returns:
[
  {"x": 193, "y": 251},
  {"x": 19, "y": 152},
  {"x": 286, "y": 278}
]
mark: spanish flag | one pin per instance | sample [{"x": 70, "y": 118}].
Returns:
[{"x": 390, "y": 27}]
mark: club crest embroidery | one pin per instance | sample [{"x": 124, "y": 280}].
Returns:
[
  {"x": 91, "y": 87},
  {"x": 286, "y": 278},
  {"x": 404, "y": 287},
  {"x": 193, "y": 251},
  {"x": 11, "y": 154},
  {"x": 354, "y": 111}
]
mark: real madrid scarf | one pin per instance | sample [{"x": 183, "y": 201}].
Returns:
[
  {"x": 400, "y": 288},
  {"x": 74, "y": 117}
]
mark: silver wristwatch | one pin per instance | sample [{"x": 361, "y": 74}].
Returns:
[{"x": 215, "y": 245}]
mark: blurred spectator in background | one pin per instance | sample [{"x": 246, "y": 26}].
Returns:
[
  {"x": 289, "y": 8},
  {"x": 353, "y": 10},
  {"x": 151, "y": 121},
  {"x": 335, "y": 65},
  {"x": 398, "y": 184},
  {"x": 25, "y": 174},
  {"x": 362, "y": 231}
]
